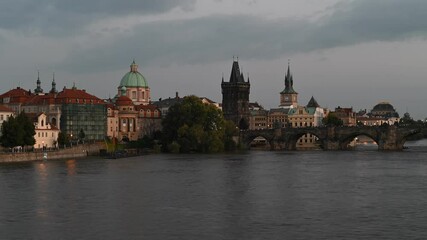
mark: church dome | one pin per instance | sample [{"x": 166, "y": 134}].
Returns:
[
  {"x": 383, "y": 106},
  {"x": 385, "y": 110},
  {"x": 133, "y": 78}
]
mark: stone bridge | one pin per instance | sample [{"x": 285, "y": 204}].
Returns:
[{"x": 331, "y": 138}]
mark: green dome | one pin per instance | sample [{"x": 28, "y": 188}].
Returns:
[{"x": 133, "y": 78}]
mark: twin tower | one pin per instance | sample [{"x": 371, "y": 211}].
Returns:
[{"x": 235, "y": 96}]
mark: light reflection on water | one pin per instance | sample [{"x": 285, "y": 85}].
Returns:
[{"x": 255, "y": 195}]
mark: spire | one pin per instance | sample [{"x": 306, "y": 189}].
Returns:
[
  {"x": 53, "y": 89},
  {"x": 289, "y": 81},
  {"x": 236, "y": 75},
  {"x": 38, "y": 88},
  {"x": 74, "y": 86}
]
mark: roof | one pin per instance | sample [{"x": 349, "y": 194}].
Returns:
[
  {"x": 72, "y": 95},
  {"x": 124, "y": 101},
  {"x": 313, "y": 103},
  {"x": 281, "y": 110},
  {"x": 236, "y": 75},
  {"x": 309, "y": 111},
  {"x": 17, "y": 95},
  {"x": 133, "y": 78},
  {"x": 289, "y": 82},
  {"x": 3, "y": 108}
]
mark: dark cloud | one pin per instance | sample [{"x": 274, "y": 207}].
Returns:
[
  {"x": 219, "y": 37},
  {"x": 63, "y": 17}
]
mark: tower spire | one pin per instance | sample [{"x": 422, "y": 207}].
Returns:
[
  {"x": 53, "y": 89},
  {"x": 38, "y": 89}
]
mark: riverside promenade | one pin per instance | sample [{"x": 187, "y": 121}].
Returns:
[{"x": 78, "y": 151}]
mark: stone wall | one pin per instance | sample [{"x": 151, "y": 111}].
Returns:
[{"x": 79, "y": 151}]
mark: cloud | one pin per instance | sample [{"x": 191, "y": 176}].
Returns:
[
  {"x": 208, "y": 38},
  {"x": 63, "y": 17},
  {"x": 218, "y": 37}
]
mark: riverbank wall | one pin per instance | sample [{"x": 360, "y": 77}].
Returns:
[{"x": 79, "y": 151}]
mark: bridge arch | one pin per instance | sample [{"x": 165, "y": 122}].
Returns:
[
  {"x": 404, "y": 138},
  {"x": 249, "y": 137},
  {"x": 305, "y": 138},
  {"x": 347, "y": 141}
]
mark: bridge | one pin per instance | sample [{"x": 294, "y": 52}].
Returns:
[{"x": 387, "y": 137}]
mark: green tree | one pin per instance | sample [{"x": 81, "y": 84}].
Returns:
[
  {"x": 18, "y": 131},
  {"x": 195, "y": 127},
  {"x": 63, "y": 139},
  {"x": 332, "y": 120},
  {"x": 82, "y": 135}
]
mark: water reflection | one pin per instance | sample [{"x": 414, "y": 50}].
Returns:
[
  {"x": 42, "y": 195},
  {"x": 71, "y": 167}
]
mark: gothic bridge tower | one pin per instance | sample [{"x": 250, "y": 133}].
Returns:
[{"x": 235, "y": 98}]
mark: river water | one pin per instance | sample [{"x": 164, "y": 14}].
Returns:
[{"x": 361, "y": 194}]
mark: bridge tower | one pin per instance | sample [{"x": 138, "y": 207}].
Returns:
[{"x": 235, "y": 97}]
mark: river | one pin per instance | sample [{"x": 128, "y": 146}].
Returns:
[{"x": 361, "y": 194}]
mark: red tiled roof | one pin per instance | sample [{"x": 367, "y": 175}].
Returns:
[
  {"x": 17, "y": 95},
  {"x": 124, "y": 101},
  {"x": 77, "y": 96},
  {"x": 3, "y": 108}
]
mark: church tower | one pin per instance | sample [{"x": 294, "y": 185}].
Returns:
[
  {"x": 288, "y": 97},
  {"x": 38, "y": 89},
  {"x": 235, "y": 98}
]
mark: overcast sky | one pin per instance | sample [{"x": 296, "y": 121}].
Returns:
[{"x": 344, "y": 53}]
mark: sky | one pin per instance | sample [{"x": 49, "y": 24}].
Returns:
[{"x": 347, "y": 53}]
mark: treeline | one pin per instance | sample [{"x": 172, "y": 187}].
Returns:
[{"x": 192, "y": 127}]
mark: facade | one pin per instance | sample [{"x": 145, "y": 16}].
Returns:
[
  {"x": 130, "y": 115},
  {"x": 46, "y": 134},
  {"x": 135, "y": 86},
  {"x": 384, "y": 110},
  {"x": 69, "y": 110},
  {"x": 307, "y": 116},
  {"x": 5, "y": 114},
  {"x": 382, "y": 113},
  {"x": 347, "y": 115},
  {"x": 235, "y": 98}
]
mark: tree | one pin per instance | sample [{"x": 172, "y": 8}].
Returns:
[
  {"x": 82, "y": 135},
  {"x": 332, "y": 120},
  {"x": 195, "y": 127},
  {"x": 63, "y": 139},
  {"x": 18, "y": 131}
]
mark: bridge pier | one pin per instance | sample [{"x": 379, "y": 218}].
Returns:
[{"x": 390, "y": 140}]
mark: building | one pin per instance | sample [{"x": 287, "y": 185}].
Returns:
[
  {"x": 288, "y": 97},
  {"x": 384, "y": 110},
  {"x": 14, "y": 98},
  {"x": 135, "y": 86},
  {"x": 307, "y": 116},
  {"x": 5, "y": 114},
  {"x": 46, "y": 134},
  {"x": 382, "y": 113},
  {"x": 130, "y": 115},
  {"x": 347, "y": 115},
  {"x": 70, "y": 110},
  {"x": 258, "y": 118},
  {"x": 235, "y": 98}
]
